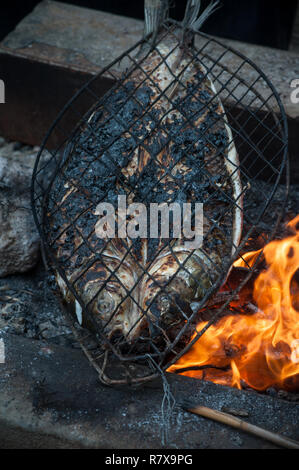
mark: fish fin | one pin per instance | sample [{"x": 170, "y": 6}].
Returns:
[
  {"x": 155, "y": 13},
  {"x": 192, "y": 20}
]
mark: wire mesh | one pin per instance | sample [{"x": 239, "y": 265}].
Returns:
[{"x": 158, "y": 125}]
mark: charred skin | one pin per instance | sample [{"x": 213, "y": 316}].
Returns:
[{"x": 171, "y": 143}]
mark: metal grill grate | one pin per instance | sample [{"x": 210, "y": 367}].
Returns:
[{"x": 158, "y": 143}]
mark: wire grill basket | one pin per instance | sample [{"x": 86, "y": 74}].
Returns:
[{"x": 141, "y": 296}]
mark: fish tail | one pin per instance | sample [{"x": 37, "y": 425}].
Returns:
[
  {"x": 192, "y": 20},
  {"x": 155, "y": 13}
]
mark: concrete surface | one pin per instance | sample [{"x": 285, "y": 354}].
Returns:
[{"x": 52, "y": 398}]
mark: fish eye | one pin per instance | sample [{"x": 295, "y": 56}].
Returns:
[
  {"x": 164, "y": 303},
  {"x": 105, "y": 303}
]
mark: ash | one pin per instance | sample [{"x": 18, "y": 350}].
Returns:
[{"x": 29, "y": 308}]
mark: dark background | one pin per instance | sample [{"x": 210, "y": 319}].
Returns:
[{"x": 264, "y": 22}]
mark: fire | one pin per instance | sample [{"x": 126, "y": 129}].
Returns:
[
  {"x": 260, "y": 350},
  {"x": 248, "y": 260}
]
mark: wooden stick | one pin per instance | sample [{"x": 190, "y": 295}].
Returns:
[
  {"x": 200, "y": 368},
  {"x": 237, "y": 423}
]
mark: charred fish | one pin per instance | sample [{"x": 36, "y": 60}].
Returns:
[{"x": 161, "y": 136}]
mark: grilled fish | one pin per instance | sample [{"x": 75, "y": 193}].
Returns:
[{"x": 159, "y": 136}]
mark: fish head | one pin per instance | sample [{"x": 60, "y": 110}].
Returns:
[
  {"x": 166, "y": 296},
  {"x": 175, "y": 284},
  {"x": 107, "y": 292},
  {"x": 105, "y": 302}
]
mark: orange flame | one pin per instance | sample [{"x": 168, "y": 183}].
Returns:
[
  {"x": 248, "y": 260},
  {"x": 261, "y": 349}
]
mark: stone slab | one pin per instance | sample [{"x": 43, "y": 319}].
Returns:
[{"x": 52, "y": 396}]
